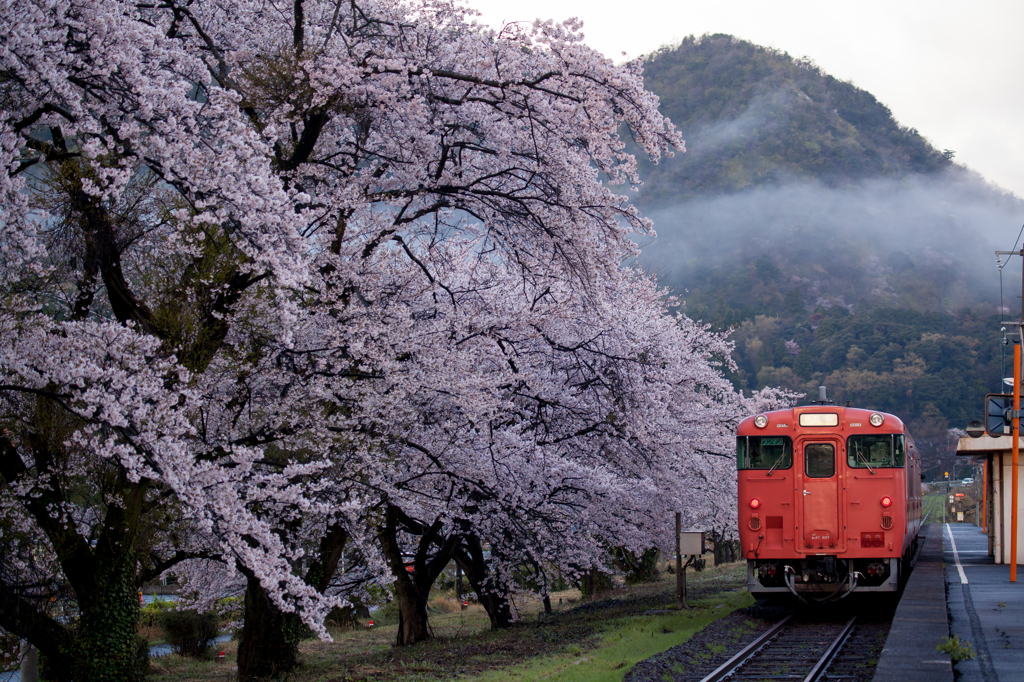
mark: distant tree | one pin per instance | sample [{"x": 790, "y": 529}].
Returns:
[
  {"x": 802, "y": 365},
  {"x": 937, "y": 444}
]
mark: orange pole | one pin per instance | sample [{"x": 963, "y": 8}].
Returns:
[{"x": 1016, "y": 452}]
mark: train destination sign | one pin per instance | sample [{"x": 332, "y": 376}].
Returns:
[{"x": 829, "y": 419}]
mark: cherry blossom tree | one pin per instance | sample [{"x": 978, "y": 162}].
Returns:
[
  {"x": 175, "y": 170},
  {"x": 291, "y": 278}
]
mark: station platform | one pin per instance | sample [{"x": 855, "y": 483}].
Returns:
[
  {"x": 985, "y": 608},
  {"x": 920, "y": 623}
]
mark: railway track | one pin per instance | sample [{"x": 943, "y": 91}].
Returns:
[{"x": 793, "y": 649}]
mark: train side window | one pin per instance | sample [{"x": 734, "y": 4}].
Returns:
[
  {"x": 870, "y": 452},
  {"x": 756, "y": 452},
  {"x": 819, "y": 460}
]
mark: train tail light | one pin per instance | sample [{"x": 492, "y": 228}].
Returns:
[
  {"x": 886, "y": 501},
  {"x": 754, "y": 503},
  {"x": 868, "y": 540}
]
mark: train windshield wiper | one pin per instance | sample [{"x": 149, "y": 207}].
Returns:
[
  {"x": 856, "y": 451},
  {"x": 777, "y": 462}
]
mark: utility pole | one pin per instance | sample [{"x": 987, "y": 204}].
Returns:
[
  {"x": 1015, "y": 433},
  {"x": 1016, "y": 452}
]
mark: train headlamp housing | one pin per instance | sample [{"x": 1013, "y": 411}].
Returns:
[
  {"x": 876, "y": 419},
  {"x": 760, "y": 421},
  {"x": 886, "y": 501},
  {"x": 754, "y": 503}
]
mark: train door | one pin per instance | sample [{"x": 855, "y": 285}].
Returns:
[{"x": 821, "y": 517}]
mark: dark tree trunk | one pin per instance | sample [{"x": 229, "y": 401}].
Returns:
[
  {"x": 103, "y": 644},
  {"x": 474, "y": 565},
  {"x": 270, "y": 639},
  {"x": 412, "y": 604},
  {"x": 412, "y": 588},
  {"x": 269, "y": 644},
  {"x": 547, "y": 605}
]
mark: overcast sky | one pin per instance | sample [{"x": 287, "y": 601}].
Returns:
[{"x": 950, "y": 69}]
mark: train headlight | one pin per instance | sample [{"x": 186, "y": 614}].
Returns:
[
  {"x": 754, "y": 503},
  {"x": 760, "y": 421},
  {"x": 887, "y": 501},
  {"x": 876, "y": 419}
]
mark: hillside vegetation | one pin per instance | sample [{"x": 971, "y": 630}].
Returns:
[
  {"x": 752, "y": 115},
  {"x": 840, "y": 246}
]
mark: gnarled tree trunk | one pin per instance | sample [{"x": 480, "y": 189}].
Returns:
[
  {"x": 493, "y": 599},
  {"x": 270, "y": 639},
  {"x": 103, "y": 644},
  {"x": 412, "y": 587},
  {"x": 269, "y": 644}
]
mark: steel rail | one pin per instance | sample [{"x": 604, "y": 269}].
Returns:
[
  {"x": 746, "y": 653},
  {"x": 831, "y": 652},
  {"x": 726, "y": 669}
]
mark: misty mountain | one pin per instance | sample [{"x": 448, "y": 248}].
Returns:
[
  {"x": 840, "y": 246},
  {"x": 753, "y": 116}
]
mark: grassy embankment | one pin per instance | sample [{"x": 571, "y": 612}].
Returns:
[
  {"x": 931, "y": 508},
  {"x": 933, "y": 503},
  {"x": 592, "y": 641}
]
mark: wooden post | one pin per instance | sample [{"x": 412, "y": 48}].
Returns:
[
  {"x": 680, "y": 584},
  {"x": 682, "y": 575}
]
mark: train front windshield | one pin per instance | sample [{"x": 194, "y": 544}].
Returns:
[
  {"x": 756, "y": 452},
  {"x": 870, "y": 452}
]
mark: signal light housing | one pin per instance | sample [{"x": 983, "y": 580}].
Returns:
[
  {"x": 754, "y": 503},
  {"x": 886, "y": 501}
]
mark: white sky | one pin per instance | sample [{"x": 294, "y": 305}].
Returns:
[{"x": 950, "y": 69}]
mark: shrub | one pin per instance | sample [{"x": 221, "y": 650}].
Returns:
[
  {"x": 388, "y": 614},
  {"x": 594, "y": 582},
  {"x": 445, "y": 604},
  {"x": 150, "y": 614},
  {"x": 642, "y": 569},
  {"x": 188, "y": 632}
]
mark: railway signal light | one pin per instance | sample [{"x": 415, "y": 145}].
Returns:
[{"x": 997, "y": 405}]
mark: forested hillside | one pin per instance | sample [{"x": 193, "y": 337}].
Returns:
[{"x": 842, "y": 247}]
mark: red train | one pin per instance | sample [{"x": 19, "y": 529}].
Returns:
[{"x": 829, "y": 501}]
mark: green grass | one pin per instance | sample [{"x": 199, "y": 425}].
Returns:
[
  {"x": 932, "y": 507},
  {"x": 580, "y": 641},
  {"x": 621, "y": 643}
]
